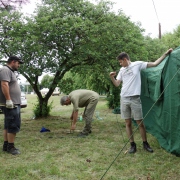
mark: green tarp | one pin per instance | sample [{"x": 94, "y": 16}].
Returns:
[{"x": 160, "y": 95}]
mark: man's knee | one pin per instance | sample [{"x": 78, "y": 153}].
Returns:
[
  {"x": 140, "y": 124},
  {"x": 128, "y": 123}
]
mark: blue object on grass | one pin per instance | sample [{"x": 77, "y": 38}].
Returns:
[{"x": 43, "y": 129}]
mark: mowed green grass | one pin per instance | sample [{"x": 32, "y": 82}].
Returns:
[{"x": 58, "y": 155}]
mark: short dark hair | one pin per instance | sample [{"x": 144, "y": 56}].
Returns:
[
  {"x": 15, "y": 58},
  {"x": 123, "y": 55}
]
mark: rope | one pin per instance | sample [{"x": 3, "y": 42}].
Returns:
[
  {"x": 155, "y": 11},
  {"x": 120, "y": 129},
  {"x": 139, "y": 125}
]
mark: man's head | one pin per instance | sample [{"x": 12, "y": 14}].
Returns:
[
  {"x": 14, "y": 62},
  {"x": 124, "y": 59},
  {"x": 65, "y": 100}
]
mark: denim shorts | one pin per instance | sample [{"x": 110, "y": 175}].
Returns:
[
  {"x": 131, "y": 107},
  {"x": 12, "y": 119}
]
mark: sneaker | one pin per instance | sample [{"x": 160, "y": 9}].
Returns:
[
  {"x": 81, "y": 134},
  {"x": 132, "y": 149},
  {"x": 13, "y": 151},
  {"x": 147, "y": 147},
  {"x": 4, "y": 147}
]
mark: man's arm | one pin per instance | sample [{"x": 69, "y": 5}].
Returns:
[
  {"x": 71, "y": 116},
  {"x": 74, "y": 119},
  {"x": 5, "y": 89},
  {"x": 158, "y": 61},
  {"x": 115, "y": 82}
]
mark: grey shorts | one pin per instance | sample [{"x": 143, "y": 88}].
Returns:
[
  {"x": 12, "y": 119},
  {"x": 131, "y": 107}
]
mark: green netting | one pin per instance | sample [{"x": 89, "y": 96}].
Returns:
[{"x": 160, "y": 95}]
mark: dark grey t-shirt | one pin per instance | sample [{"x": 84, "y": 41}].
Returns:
[{"x": 6, "y": 74}]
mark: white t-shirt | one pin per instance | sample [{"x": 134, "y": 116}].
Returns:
[{"x": 130, "y": 77}]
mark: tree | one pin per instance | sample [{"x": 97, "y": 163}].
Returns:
[
  {"x": 93, "y": 80},
  {"x": 172, "y": 39},
  {"x": 9, "y": 21},
  {"x": 46, "y": 81},
  {"x": 155, "y": 48},
  {"x": 70, "y": 35}
]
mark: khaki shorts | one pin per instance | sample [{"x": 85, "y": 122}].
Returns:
[{"x": 131, "y": 107}]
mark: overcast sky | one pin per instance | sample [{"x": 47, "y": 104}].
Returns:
[
  {"x": 144, "y": 11},
  {"x": 168, "y": 14}
]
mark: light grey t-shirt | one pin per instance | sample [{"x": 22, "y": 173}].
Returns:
[
  {"x": 82, "y": 97},
  {"x": 7, "y": 74},
  {"x": 131, "y": 78}
]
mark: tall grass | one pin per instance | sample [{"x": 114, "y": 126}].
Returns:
[{"x": 58, "y": 155}]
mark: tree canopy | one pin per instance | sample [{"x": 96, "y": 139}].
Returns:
[
  {"x": 172, "y": 39},
  {"x": 46, "y": 81},
  {"x": 76, "y": 36}
]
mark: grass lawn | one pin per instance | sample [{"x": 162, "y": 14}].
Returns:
[{"x": 58, "y": 155}]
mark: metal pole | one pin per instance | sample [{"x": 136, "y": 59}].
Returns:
[{"x": 159, "y": 30}]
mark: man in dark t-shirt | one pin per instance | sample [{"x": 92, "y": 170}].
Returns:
[{"x": 10, "y": 100}]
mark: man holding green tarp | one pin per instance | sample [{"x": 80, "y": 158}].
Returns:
[{"x": 130, "y": 77}]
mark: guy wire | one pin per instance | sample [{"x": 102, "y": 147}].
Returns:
[{"x": 119, "y": 126}]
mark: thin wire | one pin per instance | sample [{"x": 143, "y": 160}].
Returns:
[
  {"x": 139, "y": 124},
  {"x": 121, "y": 130},
  {"x": 118, "y": 154},
  {"x": 155, "y": 10}
]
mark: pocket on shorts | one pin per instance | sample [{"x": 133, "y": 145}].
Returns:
[{"x": 137, "y": 100}]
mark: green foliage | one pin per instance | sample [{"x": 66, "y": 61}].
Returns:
[
  {"x": 85, "y": 79},
  {"x": 66, "y": 85},
  {"x": 46, "y": 81},
  {"x": 76, "y": 36},
  {"x": 172, "y": 39},
  {"x": 117, "y": 110},
  {"x": 155, "y": 48},
  {"x": 113, "y": 100},
  {"x": 70, "y": 82},
  {"x": 42, "y": 109}
]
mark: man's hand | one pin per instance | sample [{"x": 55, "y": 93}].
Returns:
[
  {"x": 73, "y": 126},
  {"x": 112, "y": 74},
  {"x": 169, "y": 51},
  {"x": 9, "y": 104}
]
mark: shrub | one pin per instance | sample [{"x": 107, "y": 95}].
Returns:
[
  {"x": 113, "y": 100},
  {"x": 42, "y": 110}
]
